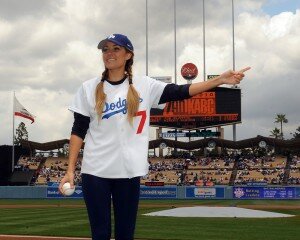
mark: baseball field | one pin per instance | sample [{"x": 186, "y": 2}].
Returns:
[{"x": 68, "y": 218}]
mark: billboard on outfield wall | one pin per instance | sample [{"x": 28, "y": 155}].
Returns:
[
  {"x": 158, "y": 192},
  {"x": 169, "y": 192},
  {"x": 52, "y": 192},
  {"x": 205, "y": 192},
  {"x": 216, "y": 107},
  {"x": 265, "y": 193}
]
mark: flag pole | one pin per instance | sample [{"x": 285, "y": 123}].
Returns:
[
  {"x": 13, "y": 136},
  {"x": 147, "y": 38},
  {"x": 175, "y": 57},
  {"x": 175, "y": 43},
  {"x": 203, "y": 20}
]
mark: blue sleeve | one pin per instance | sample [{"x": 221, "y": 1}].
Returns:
[
  {"x": 80, "y": 125},
  {"x": 174, "y": 92}
]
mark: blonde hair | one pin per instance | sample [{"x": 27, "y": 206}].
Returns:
[{"x": 133, "y": 98}]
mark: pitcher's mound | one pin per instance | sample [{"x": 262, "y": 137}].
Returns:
[{"x": 230, "y": 212}]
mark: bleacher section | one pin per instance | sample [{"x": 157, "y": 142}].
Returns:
[
  {"x": 189, "y": 171},
  {"x": 266, "y": 169},
  {"x": 294, "y": 176},
  {"x": 201, "y": 171},
  {"x": 54, "y": 169},
  {"x": 30, "y": 163}
]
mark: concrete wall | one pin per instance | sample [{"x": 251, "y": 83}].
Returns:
[{"x": 23, "y": 191}]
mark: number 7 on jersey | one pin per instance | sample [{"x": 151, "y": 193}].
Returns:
[{"x": 142, "y": 122}]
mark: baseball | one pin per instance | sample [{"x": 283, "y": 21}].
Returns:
[{"x": 67, "y": 190}]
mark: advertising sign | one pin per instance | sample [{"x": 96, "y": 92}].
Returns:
[
  {"x": 205, "y": 192},
  {"x": 209, "y": 77},
  {"x": 219, "y": 106},
  {"x": 298, "y": 192},
  {"x": 189, "y": 71},
  {"x": 166, "y": 79},
  {"x": 158, "y": 192},
  {"x": 203, "y": 133},
  {"x": 264, "y": 192},
  {"x": 52, "y": 192}
]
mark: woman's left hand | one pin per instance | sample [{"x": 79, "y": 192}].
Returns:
[{"x": 233, "y": 77}]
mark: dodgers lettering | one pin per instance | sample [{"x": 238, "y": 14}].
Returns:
[
  {"x": 119, "y": 104},
  {"x": 114, "y": 108}
]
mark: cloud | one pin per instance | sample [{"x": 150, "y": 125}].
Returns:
[
  {"x": 14, "y": 10},
  {"x": 48, "y": 48},
  {"x": 279, "y": 25},
  {"x": 270, "y": 87}
]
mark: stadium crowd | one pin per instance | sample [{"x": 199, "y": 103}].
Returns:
[
  {"x": 294, "y": 177},
  {"x": 28, "y": 163},
  {"x": 54, "y": 169},
  {"x": 266, "y": 169},
  {"x": 191, "y": 170}
]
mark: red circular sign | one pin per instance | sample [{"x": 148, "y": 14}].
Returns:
[{"x": 189, "y": 71}]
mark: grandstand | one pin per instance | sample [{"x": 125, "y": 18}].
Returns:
[
  {"x": 198, "y": 171},
  {"x": 54, "y": 169},
  {"x": 239, "y": 163}
]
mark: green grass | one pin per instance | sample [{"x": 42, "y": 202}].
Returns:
[
  {"x": 44, "y": 221},
  {"x": 72, "y": 221}
]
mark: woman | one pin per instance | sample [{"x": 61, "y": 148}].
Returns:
[{"x": 112, "y": 114}]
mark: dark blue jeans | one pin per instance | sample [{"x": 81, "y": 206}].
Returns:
[{"x": 124, "y": 193}]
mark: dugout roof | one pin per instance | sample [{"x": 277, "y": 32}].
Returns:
[{"x": 246, "y": 143}]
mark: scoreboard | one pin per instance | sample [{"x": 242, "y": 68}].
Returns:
[{"x": 216, "y": 107}]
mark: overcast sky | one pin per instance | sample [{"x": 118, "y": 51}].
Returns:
[{"x": 48, "y": 48}]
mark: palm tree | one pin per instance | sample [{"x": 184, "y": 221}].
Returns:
[
  {"x": 297, "y": 133},
  {"x": 275, "y": 132},
  {"x": 280, "y": 118}
]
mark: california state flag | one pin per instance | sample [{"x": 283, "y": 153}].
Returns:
[{"x": 21, "y": 111}]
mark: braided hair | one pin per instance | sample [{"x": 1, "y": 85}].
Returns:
[{"x": 133, "y": 98}]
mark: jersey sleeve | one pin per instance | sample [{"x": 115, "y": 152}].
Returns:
[
  {"x": 156, "y": 90},
  {"x": 174, "y": 92},
  {"x": 80, "y": 125},
  {"x": 80, "y": 103}
]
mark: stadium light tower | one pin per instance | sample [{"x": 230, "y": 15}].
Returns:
[
  {"x": 233, "y": 61},
  {"x": 146, "y": 37},
  {"x": 175, "y": 58},
  {"x": 203, "y": 20}
]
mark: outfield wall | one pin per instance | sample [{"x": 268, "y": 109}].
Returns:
[{"x": 166, "y": 192}]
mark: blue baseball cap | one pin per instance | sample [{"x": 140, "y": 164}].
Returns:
[{"x": 118, "y": 39}]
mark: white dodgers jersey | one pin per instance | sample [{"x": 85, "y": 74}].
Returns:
[{"x": 114, "y": 148}]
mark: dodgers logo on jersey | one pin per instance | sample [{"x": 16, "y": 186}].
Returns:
[{"x": 114, "y": 108}]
